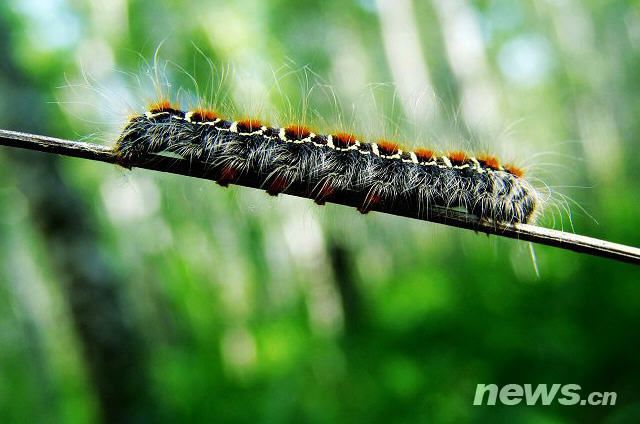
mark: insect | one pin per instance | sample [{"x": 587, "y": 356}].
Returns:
[{"x": 379, "y": 172}]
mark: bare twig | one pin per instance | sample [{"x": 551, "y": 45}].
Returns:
[{"x": 454, "y": 218}]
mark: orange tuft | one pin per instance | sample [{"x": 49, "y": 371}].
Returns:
[
  {"x": 514, "y": 170},
  {"x": 343, "y": 139},
  {"x": 204, "y": 115},
  {"x": 387, "y": 148},
  {"x": 296, "y": 132},
  {"x": 489, "y": 161},
  {"x": 424, "y": 155},
  {"x": 457, "y": 157},
  {"x": 248, "y": 125},
  {"x": 163, "y": 106}
]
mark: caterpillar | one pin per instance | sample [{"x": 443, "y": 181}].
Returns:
[{"x": 381, "y": 172}]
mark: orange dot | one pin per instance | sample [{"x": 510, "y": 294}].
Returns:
[
  {"x": 163, "y": 106},
  {"x": 248, "y": 125},
  {"x": 387, "y": 148},
  {"x": 514, "y": 170},
  {"x": 457, "y": 157},
  {"x": 424, "y": 155},
  {"x": 296, "y": 132},
  {"x": 343, "y": 139},
  {"x": 203, "y": 115},
  {"x": 489, "y": 161}
]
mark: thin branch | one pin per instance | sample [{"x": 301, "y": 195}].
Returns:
[{"x": 532, "y": 233}]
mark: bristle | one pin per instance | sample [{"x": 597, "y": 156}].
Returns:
[
  {"x": 164, "y": 106},
  {"x": 387, "y": 148},
  {"x": 489, "y": 161},
  {"x": 228, "y": 174},
  {"x": 223, "y": 124},
  {"x": 277, "y": 186},
  {"x": 325, "y": 167},
  {"x": 320, "y": 140},
  {"x": 514, "y": 170},
  {"x": 325, "y": 192},
  {"x": 296, "y": 132},
  {"x": 203, "y": 115},
  {"x": 343, "y": 140},
  {"x": 424, "y": 155},
  {"x": 248, "y": 125},
  {"x": 370, "y": 202},
  {"x": 271, "y": 132},
  {"x": 457, "y": 157}
]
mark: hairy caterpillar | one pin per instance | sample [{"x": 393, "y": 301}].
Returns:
[{"x": 380, "y": 172}]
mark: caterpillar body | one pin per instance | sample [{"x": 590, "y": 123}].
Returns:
[{"x": 329, "y": 165}]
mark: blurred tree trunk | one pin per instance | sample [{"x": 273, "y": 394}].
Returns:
[
  {"x": 112, "y": 348},
  {"x": 355, "y": 319}
]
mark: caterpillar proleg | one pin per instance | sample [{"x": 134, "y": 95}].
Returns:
[{"x": 326, "y": 165}]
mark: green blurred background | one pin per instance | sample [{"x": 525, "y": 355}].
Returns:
[{"x": 133, "y": 296}]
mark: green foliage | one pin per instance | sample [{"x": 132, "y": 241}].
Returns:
[{"x": 249, "y": 308}]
